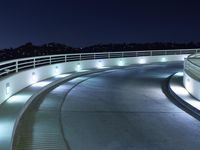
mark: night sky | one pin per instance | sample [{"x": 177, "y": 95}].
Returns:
[{"x": 80, "y": 23}]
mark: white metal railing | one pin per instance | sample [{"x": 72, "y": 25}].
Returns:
[{"x": 17, "y": 65}]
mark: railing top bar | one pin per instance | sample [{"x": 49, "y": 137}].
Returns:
[{"x": 47, "y": 56}]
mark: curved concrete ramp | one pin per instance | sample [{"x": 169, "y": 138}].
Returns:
[{"x": 122, "y": 109}]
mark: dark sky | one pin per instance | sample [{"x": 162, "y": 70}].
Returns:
[{"x": 85, "y": 22}]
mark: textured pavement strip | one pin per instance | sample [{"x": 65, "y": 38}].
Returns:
[
  {"x": 12, "y": 108},
  {"x": 98, "y": 113},
  {"x": 41, "y": 127}
]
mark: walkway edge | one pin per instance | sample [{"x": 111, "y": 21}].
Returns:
[
  {"x": 176, "y": 80},
  {"x": 42, "y": 91}
]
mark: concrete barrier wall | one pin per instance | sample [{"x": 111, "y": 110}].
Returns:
[
  {"x": 192, "y": 84},
  {"x": 16, "y": 82}
]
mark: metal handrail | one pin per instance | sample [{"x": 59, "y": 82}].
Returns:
[{"x": 48, "y": 59}]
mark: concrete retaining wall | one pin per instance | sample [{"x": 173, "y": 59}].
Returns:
[{"x": 16, "y": 82}]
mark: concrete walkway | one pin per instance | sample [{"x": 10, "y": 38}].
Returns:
[
  {"x": 40, "y": 127},
  {"x": 12, "y": 110},
  {"x": 122, "y": 109},
  {"x": 126, "y": 109}
]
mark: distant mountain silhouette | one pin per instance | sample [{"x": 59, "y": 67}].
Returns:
[{"x": 30, "y": 50}]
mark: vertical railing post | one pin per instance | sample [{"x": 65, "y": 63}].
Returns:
[
  {"x": 108, "y": 55},
  {"x": 80, "y": 57},
  {"x": 65, "y": 58},
  {"x": 50, "y": 60},
  {"x": 16, "y": 66},
  {"x": 34, "y": 63}
]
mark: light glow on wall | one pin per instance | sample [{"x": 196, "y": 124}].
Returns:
[
  {"x": 7, "y": 88},
  {"x": 188, "y": 85},
  {"x": 34, "y": 78},
  {"x": 99, "y": 65},
  {"x": 142, "y": 61},
  {"x": 78, "y": 67},
  {"x": 56, "y": 70},
  {"x": 163, "y": 59},
  {"x": 121, "y": 63}
]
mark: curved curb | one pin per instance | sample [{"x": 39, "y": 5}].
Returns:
[
  {"x": 8, "y": 145},
  {"x": 176, "y": 80}
]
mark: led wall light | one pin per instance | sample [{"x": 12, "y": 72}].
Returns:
[
  {"x": 99, "y": 64},
  {"x": 78, "y": 67},
  {"x": 7, "y": 88},
  {"x": 34, "y": 77},
  {"x": 56, "y": 70},
  {"x": 163, "y": 59},
  {"x": 121, "y": 63},
  {"x": 142, "y": 61}
]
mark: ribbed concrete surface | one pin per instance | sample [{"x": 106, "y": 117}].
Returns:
[
  {"x": 127, "y": 110},
  {"x": 124, "y": 109},
  {"x": 40, "y": 127}
]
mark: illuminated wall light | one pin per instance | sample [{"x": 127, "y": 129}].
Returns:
[
  {"x": 34, "y": 79},
  {"x": 163, "y": 59},
  {"x": 142, "y": 61},
  {"x": 99, "y": 65},
  {"x": 57, "y": 70},
  {"x": 7, "y": 88},
  {"x": 78, "y": 67},
  {"x": 121, "y": 63}
]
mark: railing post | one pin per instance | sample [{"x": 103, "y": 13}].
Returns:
[
  {"x": 34, "y": 63},
  {"x": 94, "y": 56},
  {"x": 16, "y": 66},
  {"x": 150, "y": 53},
  {"x": 80, "y": 57},
  {"x": 50, "y": 60},
  {"x": 108, "y": 55},
  {"x": 65, "y": 58}
]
